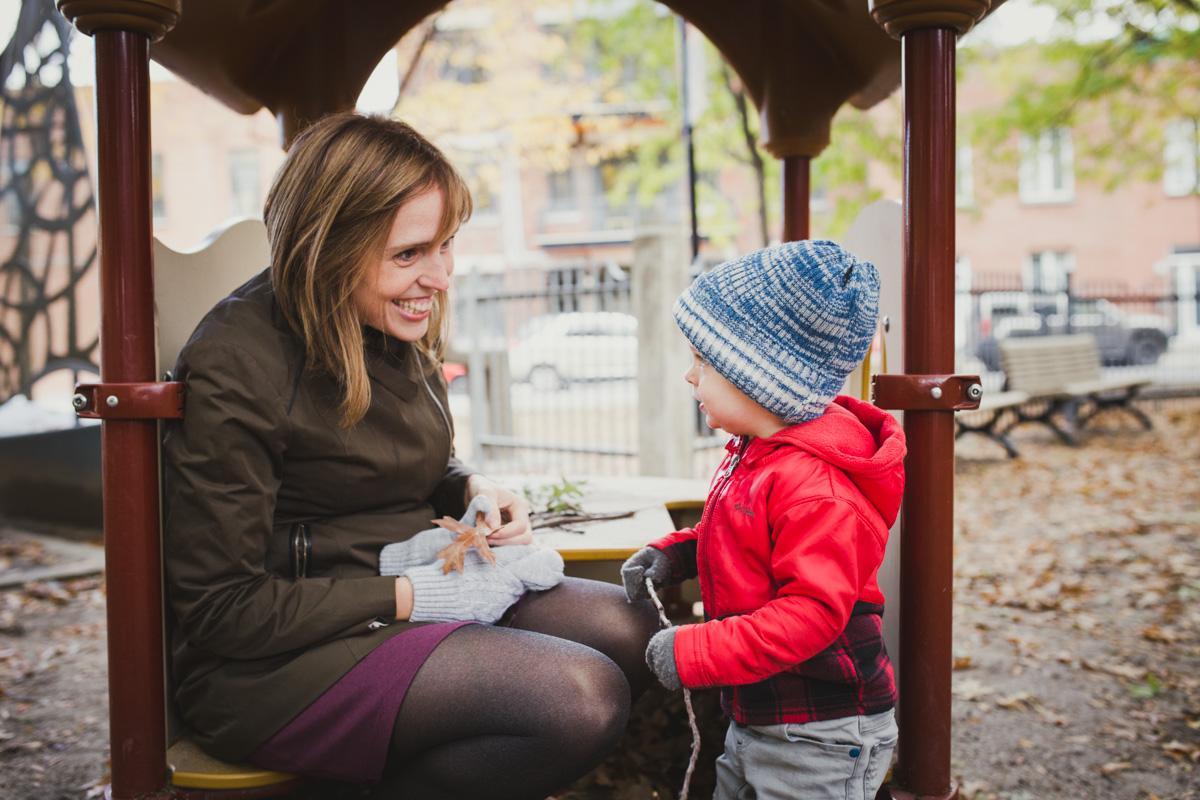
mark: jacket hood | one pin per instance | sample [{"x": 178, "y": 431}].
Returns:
[{"x": 865, "y": 442}]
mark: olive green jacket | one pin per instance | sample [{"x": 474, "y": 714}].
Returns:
[{"x": 261, "y": 482}]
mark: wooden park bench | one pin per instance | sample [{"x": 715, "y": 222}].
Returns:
[{"x": 1061, "y": 375}]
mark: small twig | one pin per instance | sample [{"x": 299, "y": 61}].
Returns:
[
  {"x": 687, "y": 699},
  {"x": 556, "y": 520}
]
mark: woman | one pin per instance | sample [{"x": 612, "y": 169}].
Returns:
[{"x": 315, "y": 433}]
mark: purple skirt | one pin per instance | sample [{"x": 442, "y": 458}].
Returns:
[{"x": 344, "y": 734}]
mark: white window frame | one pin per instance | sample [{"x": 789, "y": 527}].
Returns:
[
  {"x": 964, "y": 176},
  {"x": 1047, "y": 173},
  {"x": 1046, "y": 271},
  {"x": 1181, "y": 157}
]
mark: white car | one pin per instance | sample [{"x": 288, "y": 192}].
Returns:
[{"x": 555, "y": 349}]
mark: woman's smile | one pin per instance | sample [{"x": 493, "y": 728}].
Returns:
[{"x": 414, "y": 309}]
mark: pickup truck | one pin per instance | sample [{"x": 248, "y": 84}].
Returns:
[{"x": 1123, "y": 337}]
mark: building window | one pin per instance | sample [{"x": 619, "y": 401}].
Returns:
[
  {"x": 464, "y": 57},
  {"x": 964, "y": 178},
  {"x": 1046, "y": 272},
  {"x": 483, "y": 179},
  {"x": 561, "y": 191},
  {"x": 614, "y": 199},
  {"x": 157, "y": 198},
  {"x": 1181, "y": 158},
  {"x": 244, "y": 197},
  {"x": 1047, "y": 167}
]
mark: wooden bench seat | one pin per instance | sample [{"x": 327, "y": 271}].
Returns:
[{"x": 1061, "y": 375}]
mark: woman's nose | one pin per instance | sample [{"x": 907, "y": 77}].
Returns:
[{"x": 438, "y": 268}]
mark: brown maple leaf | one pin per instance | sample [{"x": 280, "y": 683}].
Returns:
[{"x": 466, "y": 537}]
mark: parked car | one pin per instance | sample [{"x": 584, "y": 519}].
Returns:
[
  {"x": 551, "y": 350},
  {"x": 1123, "y": 337}
]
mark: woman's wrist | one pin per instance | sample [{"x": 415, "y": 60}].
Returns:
[
  {"x": 404, "y": 599},
  {"x": 475, "y": 484}
]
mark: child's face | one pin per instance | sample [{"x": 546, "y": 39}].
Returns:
[{"x": 725, "y": 406}]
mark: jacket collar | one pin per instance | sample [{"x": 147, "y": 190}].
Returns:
[{"x": 393, "y": 363}]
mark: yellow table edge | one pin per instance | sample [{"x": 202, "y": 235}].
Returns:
[{"x": 599, "y": 554}]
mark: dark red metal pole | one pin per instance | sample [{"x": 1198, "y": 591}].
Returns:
[
  {"x": 926, "y": 541},
  {"x": 130, "y": 447},
  {"x": 797, "y": 187}
]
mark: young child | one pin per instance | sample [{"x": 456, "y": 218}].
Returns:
[{"x": 793, "y": 530}]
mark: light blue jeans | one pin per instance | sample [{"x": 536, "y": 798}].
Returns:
[{"x": 836, "y": 759}]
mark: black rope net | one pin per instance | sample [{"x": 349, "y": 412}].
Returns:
[{"x": 49, "y": 316}]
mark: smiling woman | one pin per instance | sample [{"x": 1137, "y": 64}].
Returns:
[{"x": 316, "y": 434}]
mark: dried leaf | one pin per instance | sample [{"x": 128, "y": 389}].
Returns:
[
  {"x": 466, "y": 537},
  {"x": 1182, "y": 750},
  {"x": 1017, "y": 701},
  {"x": 1113, "y": 767}
]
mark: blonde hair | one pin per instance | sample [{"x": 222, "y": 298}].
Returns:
[{"x": 328, "y": 216}]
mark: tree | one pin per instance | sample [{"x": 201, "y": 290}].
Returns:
[{"x": 1116, "y": 73}]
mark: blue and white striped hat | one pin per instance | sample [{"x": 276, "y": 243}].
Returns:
[{"x": 785, "y": 325}]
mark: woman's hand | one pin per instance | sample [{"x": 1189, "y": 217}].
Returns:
[{"x": 508, "y": 509}]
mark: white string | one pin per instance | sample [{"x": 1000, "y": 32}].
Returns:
[{"x": 687, "y": 699}]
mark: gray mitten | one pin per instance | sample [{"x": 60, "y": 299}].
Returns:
[
  {"x": 398, "y": 557},
  {"x": 537, "y": 567},
  {"x": 660, "y": 655},
  {"x": 649, "y": 562},
  {"x": 480, "y": 593}
]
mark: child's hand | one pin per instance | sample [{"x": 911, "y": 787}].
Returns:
[
  {"x": 660, "y": 655},
  {"x": 649, "y": 563}
]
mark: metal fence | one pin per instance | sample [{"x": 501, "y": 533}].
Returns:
[{"x": 552, "y": 369}]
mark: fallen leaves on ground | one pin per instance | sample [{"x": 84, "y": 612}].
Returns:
[{"x": 1077, "y": 572}]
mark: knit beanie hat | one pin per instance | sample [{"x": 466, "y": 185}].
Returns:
[{"x": 785, "y": 325}]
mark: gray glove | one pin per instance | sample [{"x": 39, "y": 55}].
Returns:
[
  {"x": 660, "y": 655},
  {"x": 649, "y": 562},
  {"x": 480, "y": 593},
  {"x": 538, "y": 568},
  {"x": 398, "y": 557}
]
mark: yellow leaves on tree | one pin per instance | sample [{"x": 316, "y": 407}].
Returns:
[{"x": 466, "y": 537}]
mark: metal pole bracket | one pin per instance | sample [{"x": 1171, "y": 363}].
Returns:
[
  {"x": 926, "y": 392},
  {"x": 129, "y": 400}
]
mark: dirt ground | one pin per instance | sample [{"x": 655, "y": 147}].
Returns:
[{"x": 1077, "y": 638}]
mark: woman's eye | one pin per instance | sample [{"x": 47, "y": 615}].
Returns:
[
  {"x": 405, "y": 255},
  {"x": 446, "y": 245}
]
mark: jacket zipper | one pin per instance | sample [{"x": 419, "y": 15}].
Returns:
[
  {"x": 726, "y": 475},
  {"x": 301, "y": 545},
  {"x": 438, "y": 403}
]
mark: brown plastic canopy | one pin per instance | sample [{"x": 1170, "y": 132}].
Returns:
[{"x": 800, "y": 60}]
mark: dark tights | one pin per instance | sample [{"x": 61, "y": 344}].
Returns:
[{"x": 517, "y": 713}]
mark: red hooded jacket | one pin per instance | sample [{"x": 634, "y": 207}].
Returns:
[{"x": 787, "y": 552}]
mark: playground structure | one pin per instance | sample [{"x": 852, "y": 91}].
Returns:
[{"x": 301, "y": 59}]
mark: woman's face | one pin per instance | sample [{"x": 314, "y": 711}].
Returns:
[{"x": 396, "y": 296}]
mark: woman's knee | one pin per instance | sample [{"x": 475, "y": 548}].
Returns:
[{"x": 595, "y": 690}]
